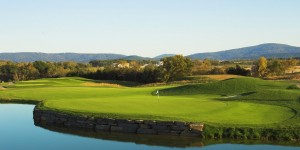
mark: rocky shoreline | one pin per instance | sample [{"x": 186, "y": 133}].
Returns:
[
  {"x": 174, "y": 128},
  {"x": 149, "y": 127}
]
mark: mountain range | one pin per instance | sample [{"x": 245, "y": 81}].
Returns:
[
  {"x": 269, "y": 50},
  {"x": 56, "y": 57}
]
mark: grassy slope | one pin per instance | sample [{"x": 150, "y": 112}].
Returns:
[
  {"x": 189, "y": 103},
  {"x": 242, "y": 85},
  {"x": 250, "y": 90}
]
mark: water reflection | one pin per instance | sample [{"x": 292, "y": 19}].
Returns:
[
  {"x": 17, "y": 131},
  {"x": 161, "y": 140},
  {"x": 151, "y": 140}
]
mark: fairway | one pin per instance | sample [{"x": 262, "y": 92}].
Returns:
[{"x": 74, "y": 95}]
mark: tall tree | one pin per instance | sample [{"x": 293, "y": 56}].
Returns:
[
  {"x": 276, "y": 67},
  {"x": 290, "y": 63},
  {"x": 262, "y": 66},
  {"x": 176, "y": 67},
  {"x": 42, "y": 67},
  {"x": 202, "y": 67},
  {"x": 9, "y": 72}
]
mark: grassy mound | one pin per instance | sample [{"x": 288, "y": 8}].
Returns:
[
  {"x": 269, "y": 95},
  {"x": 225, "y": 87}
]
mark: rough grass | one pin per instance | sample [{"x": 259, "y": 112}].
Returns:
[{"x": 199, "y": 103}]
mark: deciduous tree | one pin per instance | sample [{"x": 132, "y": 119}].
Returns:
[
  {"x": 262, "y": 66},
  {"x": 176, "y": 67}
]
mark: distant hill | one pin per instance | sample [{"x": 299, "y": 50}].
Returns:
[
  {"x": 135, "y": 57},
  {"x": 269, "y": 50},
  {"x": 163, "y": 56},
  {"x": 56, "y": 57}
]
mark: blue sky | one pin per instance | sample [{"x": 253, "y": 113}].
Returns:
[{"x": 145, "y": 27}]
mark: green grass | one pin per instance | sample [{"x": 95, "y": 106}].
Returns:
[
  {"x": 251, "y": 102},
  {"x": 65, "y": 82},
  {"x": 236, "y": 86},
  {"x": 237, "y": 108}
]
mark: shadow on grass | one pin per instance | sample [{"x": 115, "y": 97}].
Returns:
[
  {"x": 115, "y": 82},
  {"x": 247, "y": 93}
]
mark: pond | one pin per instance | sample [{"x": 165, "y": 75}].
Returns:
[{"x": 17, "y": 131}]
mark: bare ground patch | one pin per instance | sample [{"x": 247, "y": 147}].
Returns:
[
  {"x": 222, "y": 76},
  {"x": 94, "y": 84}
]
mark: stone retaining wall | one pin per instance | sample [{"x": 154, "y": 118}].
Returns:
[{"x": 47, "y": 117}]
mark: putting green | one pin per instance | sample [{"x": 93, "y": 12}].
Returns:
[{"x": 69, "y": 95}]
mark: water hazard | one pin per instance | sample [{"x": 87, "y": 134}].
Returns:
[{"x": 18, "y": 132}]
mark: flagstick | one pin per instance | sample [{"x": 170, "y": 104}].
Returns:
[{"x": 157, "y": 93}]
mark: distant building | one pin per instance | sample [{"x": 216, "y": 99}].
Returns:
[
  {"x": 114, "y": 65},
  {"x": 160, "y": 63},
  {"x": 120, "y": 65},
  {"x": 123, "y": 65},
  {"x": 294, "y": 69},
  {"x": 145, "y": 65}
]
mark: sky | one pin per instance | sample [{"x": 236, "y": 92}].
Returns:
[{"x": 145, "y": 27}]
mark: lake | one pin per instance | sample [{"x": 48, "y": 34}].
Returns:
[{"x": 17, "y": 131}]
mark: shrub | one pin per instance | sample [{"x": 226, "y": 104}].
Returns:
[
  {"x": 285, "y": 136},
  {"x": 255, "y": 133},
  {"x": 229, "y": 133},
  {"x": 213, "y": 132},
  {"x": 239, "y": 134},
  {"x": 294, "y": 86}
]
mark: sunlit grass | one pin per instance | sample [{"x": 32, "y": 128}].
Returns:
[{"x": 200, "y": 103}]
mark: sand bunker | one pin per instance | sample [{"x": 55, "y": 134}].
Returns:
[
  {"x": 2, "y": 88},
  {"x": 221, "y": 77},
  {"x": 101, "y": 84}
]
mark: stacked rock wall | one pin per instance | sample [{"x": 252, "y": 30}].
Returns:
[{"x": 48, "y": 117}]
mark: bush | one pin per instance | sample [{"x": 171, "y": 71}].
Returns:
[
  {"x": 229, "y": 133},
  {"x": 239, "y": 134},
  {"x": 213, "y": 132},
  {"x": 285, "y": 136},
  {"x": 254, "y": 134},
  {"x": 218, "y": 70},
  {"x": 238, "y": 70},
  {"x": 293, "y": 87}
]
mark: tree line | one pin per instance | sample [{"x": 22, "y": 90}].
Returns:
[
  {"x": 166, "y": 70},
  {"x": 273, "y": 67},
  {"x": 12, "y": 71},
  {"x": 170, "y": 69}
]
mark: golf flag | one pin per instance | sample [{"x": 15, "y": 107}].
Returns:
[{"x": 157, "y": 93}]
